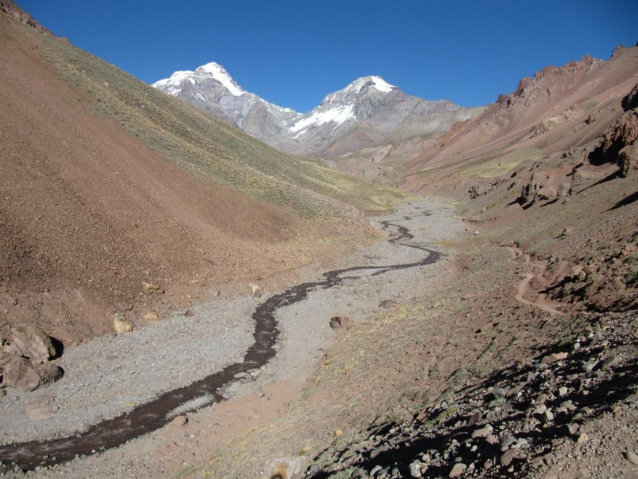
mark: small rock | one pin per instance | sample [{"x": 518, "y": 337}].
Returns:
[
  {"x": 122, "y": 325},
  {"x": 492, "y": 439},
  {"x": 378, "y": 451},
  {"x": 499, "y": 392},
  {"x": 256, "y": 291},
  {"x": 483, "y": 432},
  {"x": 285, "y": 468},
  {"x": 457, "y": 470},
  {"x": 340, "y": 322},
  {"x": 548, "y": 416},
  {"x": 150, "y": 288},
  {"x": 562, "y": 391},
  {"x": 416, "y": 469},
  {"x": 506, "y": 440},
  {"x": 632, "y": 457},
  {"x": 179, "y": 421},
  {"x": 609, "y": 362},
  {"x": 151, "y": 316},
  {"x": 540, "y": 410},
  {"x": 338, "y": 433},
  {"x": 507, "y": 457},
  {"x": 572, "y": 429},
  {"x": 358, "y": 473},
  {"x": 474, "y": 418},
  {"x": 313, "y": 469},
  {"x": 582, "y": 438},
  {"x": 552, "y": 358},
  {"x": 188, "y": 313},
  {"x": 589, "y": 366},
  {"x": 542, "y": 399},
  {"x": 475, "y": 233}
]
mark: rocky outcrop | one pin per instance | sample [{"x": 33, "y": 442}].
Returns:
[
  {"x": 630, "y": 101},
  {"x": 10, "y": 8},
  {"x": 622, "y": 134}
]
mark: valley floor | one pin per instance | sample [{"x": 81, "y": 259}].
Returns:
[{"x": 110, "y": 375}]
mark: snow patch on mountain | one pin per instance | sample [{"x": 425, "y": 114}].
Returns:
[
  {"x": 338, "y": 115},
  {"x": 173, "y": 84}
]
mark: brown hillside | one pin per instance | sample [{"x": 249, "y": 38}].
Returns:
[{"x": 89, "y": 212}]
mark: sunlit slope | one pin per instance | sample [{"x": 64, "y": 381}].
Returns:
[{"x": 209, "y": 146}]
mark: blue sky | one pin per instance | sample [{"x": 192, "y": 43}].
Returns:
[{"x": 294, "y": 52}]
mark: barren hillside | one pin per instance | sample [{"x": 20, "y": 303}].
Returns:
[{"x": 107, "y": 183}]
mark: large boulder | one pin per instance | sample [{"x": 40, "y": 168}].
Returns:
[
  {"x": 21, "y": 374},
  {"x": 32, "y": 343},
  {"x": 627, "y": 157}
]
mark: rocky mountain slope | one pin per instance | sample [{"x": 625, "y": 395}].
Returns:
[
  {"x": 364, "y": 112},
  {"x": 211, "y": 89},
  {"x": 120, "y": 199},
  {"x": 559, "y": 108}
]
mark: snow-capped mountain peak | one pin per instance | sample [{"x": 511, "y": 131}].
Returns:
[
  {"x": 375, "y": 82},
  {"x": 221, "y": 75},
  {"x": 173, "y": 85},
  {"x": 364, "y": 111}
]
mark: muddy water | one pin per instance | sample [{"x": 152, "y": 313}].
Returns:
[{"x": 155, "y": 414}]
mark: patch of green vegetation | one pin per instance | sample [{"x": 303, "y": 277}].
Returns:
[
  {"x": 212, "y": 149},
  {"x": 631, "y": 278}
]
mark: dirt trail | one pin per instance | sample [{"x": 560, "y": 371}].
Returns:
[
  {"x": 156, "y": 413},
  {"x": 523, "y": 286}
]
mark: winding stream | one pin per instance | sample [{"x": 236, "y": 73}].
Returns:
[{"x": 155, "y": 414}]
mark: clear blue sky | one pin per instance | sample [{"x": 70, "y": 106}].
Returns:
[{"x": 294, "y": 52}]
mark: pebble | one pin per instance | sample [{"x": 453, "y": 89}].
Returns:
[
  {"x": 474, "y": 418},
  {"x": 507, "y": 440},
  {"x": 179, "y": 421},
  {"x": 507, "y": 457},
  {"x": 562, "y": 391},
  {"x": 416, "y": 469},
  {"x": 458, "y": 470},
  {"x": 552, "y": 358},
  {"x": 378, "y": 451},
  {"x": 499, "y": 392},
  {"x": 583, "y": 437},
  {"x": 632, "y": 457},
  {"x": 609, "y": 362},
  {"x": 572, "y": 428},
  {"x": 358, "y": 473},
  {"x": 483, "y": 432}
]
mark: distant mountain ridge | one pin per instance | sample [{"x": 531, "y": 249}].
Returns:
[{"x": 360, "y": 114}]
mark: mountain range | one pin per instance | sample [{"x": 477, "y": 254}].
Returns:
[{"x": 366, "y": 111}]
